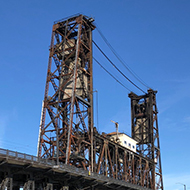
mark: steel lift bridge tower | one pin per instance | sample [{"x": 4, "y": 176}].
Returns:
[
  {"x": 67, "y": 135},
  {"x": 66, "y": 128}
]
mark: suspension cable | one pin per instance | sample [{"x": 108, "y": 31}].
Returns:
[
  {"x": 110, "y": 74},
  {"x": 120, "y": 59},
  {"x": 118, "y": 68}
]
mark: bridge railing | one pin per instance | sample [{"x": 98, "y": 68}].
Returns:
[
  {"x": 5, "y": 153},
  {"x": 18, "y": 155}
]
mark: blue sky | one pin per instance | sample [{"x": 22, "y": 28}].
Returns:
[{"x": 152, "y": 37}]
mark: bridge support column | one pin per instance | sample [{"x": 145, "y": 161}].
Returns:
[
  {"x": 29, "y": 185},
  {"x": 49, "y": 186},
  {"x": 6, "y": 184}
]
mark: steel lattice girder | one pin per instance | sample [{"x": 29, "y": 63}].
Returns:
[
  {"x": 115, "y": 161},
  {"x": 67, "y": 118},
  {"x": 145, "y": 132}
]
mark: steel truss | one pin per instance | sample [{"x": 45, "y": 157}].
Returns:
[
  {"x": 145, "y": 132},
  {"x": 67, "y": 119},
  {"x": 66, "y": 129},
  {"x": 115, "y": 161}
]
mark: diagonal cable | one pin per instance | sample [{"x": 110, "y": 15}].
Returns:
[
  {"x": 118, "y": 68},
  {"x": 123, "y": 63},
  {"x": 110, "y": 74}
]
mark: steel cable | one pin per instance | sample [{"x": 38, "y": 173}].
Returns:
[
  {"x": 111, "y": 74},
  {"x": 119, "y": 58},
  {"x": 118, "y": 69}
]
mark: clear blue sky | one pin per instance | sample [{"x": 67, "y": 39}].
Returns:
[{"x": 153, "y": 37}]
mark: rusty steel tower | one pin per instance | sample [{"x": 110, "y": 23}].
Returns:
[
  {"x": 66, "y": 128},
  {"x": 67, "y": 135},
  {"x": 145, "y": 132}
]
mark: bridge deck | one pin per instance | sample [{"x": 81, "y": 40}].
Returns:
[{"x": 22, "y": 167}]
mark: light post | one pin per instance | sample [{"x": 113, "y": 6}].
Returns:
[{"x": 182, "y": 184}]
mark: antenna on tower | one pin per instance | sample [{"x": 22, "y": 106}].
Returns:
[{"x": 116, "y": 126}]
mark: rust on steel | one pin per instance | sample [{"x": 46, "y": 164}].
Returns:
[
  {"x": 66, "y": 129},
  {"x": 67, "y": 135},
  {"x": 145, "y": 132}
]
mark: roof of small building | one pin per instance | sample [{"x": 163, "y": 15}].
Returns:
[{"x": 115, "y": 133}]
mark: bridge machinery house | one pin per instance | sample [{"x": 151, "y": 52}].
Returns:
[{"x": 124, "y": 140}]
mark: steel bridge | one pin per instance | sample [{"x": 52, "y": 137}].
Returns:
[{"x": 71, "y": 153}]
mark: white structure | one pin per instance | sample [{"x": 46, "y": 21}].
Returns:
[{"x": 123, "y": 140}]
